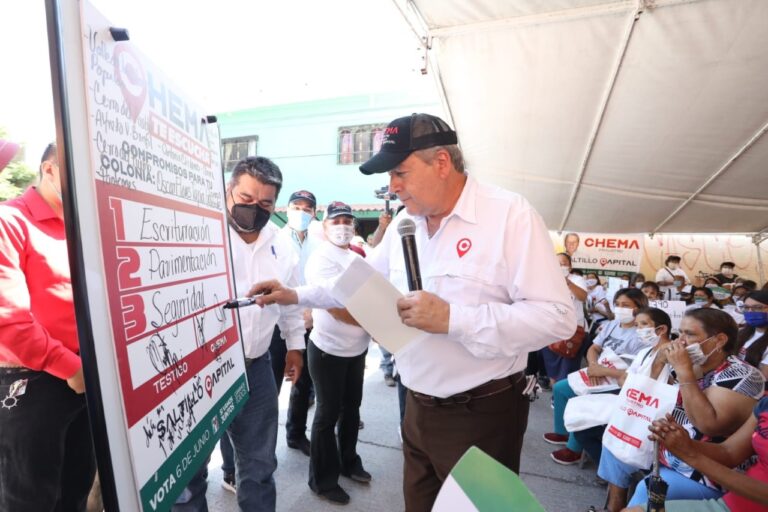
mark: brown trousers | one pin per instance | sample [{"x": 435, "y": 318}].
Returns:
[{"x": 436, "y": 436}]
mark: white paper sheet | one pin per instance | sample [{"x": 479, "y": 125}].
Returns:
[{"x": 372, "y": 301}]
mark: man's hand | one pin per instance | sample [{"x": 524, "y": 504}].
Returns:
[
  {"x": 273, "y": 292},
  {"x": 385, "y": 219},
  {"x": 76, "y": 382},
  {"x": 294, "y": 363},
  {"x": 425, "y": 311}
]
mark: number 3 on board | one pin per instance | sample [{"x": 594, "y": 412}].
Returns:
[{"x": 133, "y": 315}]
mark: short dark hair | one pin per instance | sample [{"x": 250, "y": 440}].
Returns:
[
  {"x": 749, "y": 284},
  {"x": 658, "y": 316},
  {"x": 652, "y": 285},
  {"x": 570, "y": 262},
  {"x": 49, "y": 152},
  {"x": 672, "y": 259},
  {"x": 633, "y": 294},
  {"x": 728, "y": 264},
  {"x": 260, "y": 168},
  {"x": 715, "y": 322}
]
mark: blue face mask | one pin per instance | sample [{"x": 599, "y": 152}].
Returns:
[{"x": 756, "y": 318}]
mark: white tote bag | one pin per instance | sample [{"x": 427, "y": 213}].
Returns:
[
  {"x": 579, "y": 381},
  {"x": 641, "y": 401},
  {"x": 583, "y": 412}
]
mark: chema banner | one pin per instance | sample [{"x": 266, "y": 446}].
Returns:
[{"x": 605, "y": 254}]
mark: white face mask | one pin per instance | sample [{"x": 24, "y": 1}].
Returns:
[
  {"x": 299, "y": 220},
  {"x": 698, "y": 358},
  {"x": 648, "y": 336},
  {"x": 728, "y": 272},
  {"x": 340, "y": 234},
  {"x": 624, "y": 315},
  {"x": 591, "y": 282},
  {"x": 565, "y": 271}
]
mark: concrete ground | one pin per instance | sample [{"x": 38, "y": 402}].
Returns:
[{"x": 558, "y": 488}]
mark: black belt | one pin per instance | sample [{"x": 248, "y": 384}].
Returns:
[{"x": 486, "y": 390}]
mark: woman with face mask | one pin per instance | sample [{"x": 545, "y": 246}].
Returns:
[
  {"x": 336, "y": 356},
  {"x": 717, "y": 394},
  {"x": 653, "y": 330},
  {"x": 620, "y": 335},
  {"x": 753, "y": 338},
  {"x": 703, "y": 298}
]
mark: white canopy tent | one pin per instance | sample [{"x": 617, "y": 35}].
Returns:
[{"x": 611, "y": 116}]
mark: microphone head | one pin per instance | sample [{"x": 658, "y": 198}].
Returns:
[{"x": 406, "y": 227}]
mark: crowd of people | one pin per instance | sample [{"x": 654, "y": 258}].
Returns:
[
  {"x": 717, "y": 357},
  {"x": 488, "y": 309}
]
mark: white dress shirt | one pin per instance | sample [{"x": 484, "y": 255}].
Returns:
[
  {"x": 492, "y": 260},
  {"x": 269, "y": 257},
  {"x": 328, "y": 334},
  {"x": 303, "y": 248}
]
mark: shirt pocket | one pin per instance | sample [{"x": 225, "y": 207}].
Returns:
[{"x": 468, "y": 283}]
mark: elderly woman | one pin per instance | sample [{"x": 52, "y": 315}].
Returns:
[{"x": 717, "y": 394}]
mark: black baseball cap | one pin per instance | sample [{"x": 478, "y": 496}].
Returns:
[
  {"x": 337, "y": 209},
  {"x": 405, "y": 135},
  {"x": 306, "y": 195}
]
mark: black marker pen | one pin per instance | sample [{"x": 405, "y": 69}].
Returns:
[{"x": 240, "y": 302}]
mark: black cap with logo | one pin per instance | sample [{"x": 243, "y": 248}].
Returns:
[
  {"x": 337, "y": 209},
  {"x": 305, "y": 195},
  {"x": 405, "y": 135}
]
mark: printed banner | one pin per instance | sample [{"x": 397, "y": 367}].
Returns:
[
  {"x": 163, "y": 232},
  {"x": 604, "y": 254}
]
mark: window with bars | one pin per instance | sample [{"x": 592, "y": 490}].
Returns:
[
  {"x": 359, "y": 143},
  {"x": 235, "y": 149}
]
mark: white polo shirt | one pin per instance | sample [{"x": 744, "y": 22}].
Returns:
[
  {"x": 269, "y": 257},
  {"x": 328, "y": 334},
  {"x": 492, "y": 260}
]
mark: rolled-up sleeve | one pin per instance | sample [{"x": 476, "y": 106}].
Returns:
[{"x": 540, "y": 309}]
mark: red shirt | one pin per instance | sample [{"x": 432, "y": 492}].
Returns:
[{"x": 37, "y": 316}]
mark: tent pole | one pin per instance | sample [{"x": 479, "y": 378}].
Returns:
[{"x": 758, "y": 239}]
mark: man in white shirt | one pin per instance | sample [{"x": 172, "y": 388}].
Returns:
[
  {"x": 301, "y": 212},
  {"x": 672, "y": 279},
  {"x": 257, "y": 254},
  {"x": 492, "y": 293}
]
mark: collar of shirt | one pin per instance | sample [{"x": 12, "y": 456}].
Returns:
[{"x": 38, "y": 208}]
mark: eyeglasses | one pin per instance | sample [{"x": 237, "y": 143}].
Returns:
[{"x": 751, "y": 309}]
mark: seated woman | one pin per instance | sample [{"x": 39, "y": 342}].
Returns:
[
  {"x": 703, "y": 298},
  {"x": 637, "y": 281},
  {"x": 597, "y": 305},
  {"x": 753, "y": 338},
  {"x": 620, "y": 336},
  {"x": 653, "y": 328},
  {"x": 747, "y": 492},
  {"x": 717, "y": 394}
]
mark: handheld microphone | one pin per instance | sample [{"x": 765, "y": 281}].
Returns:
[{"x": 407, "y": 230}]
